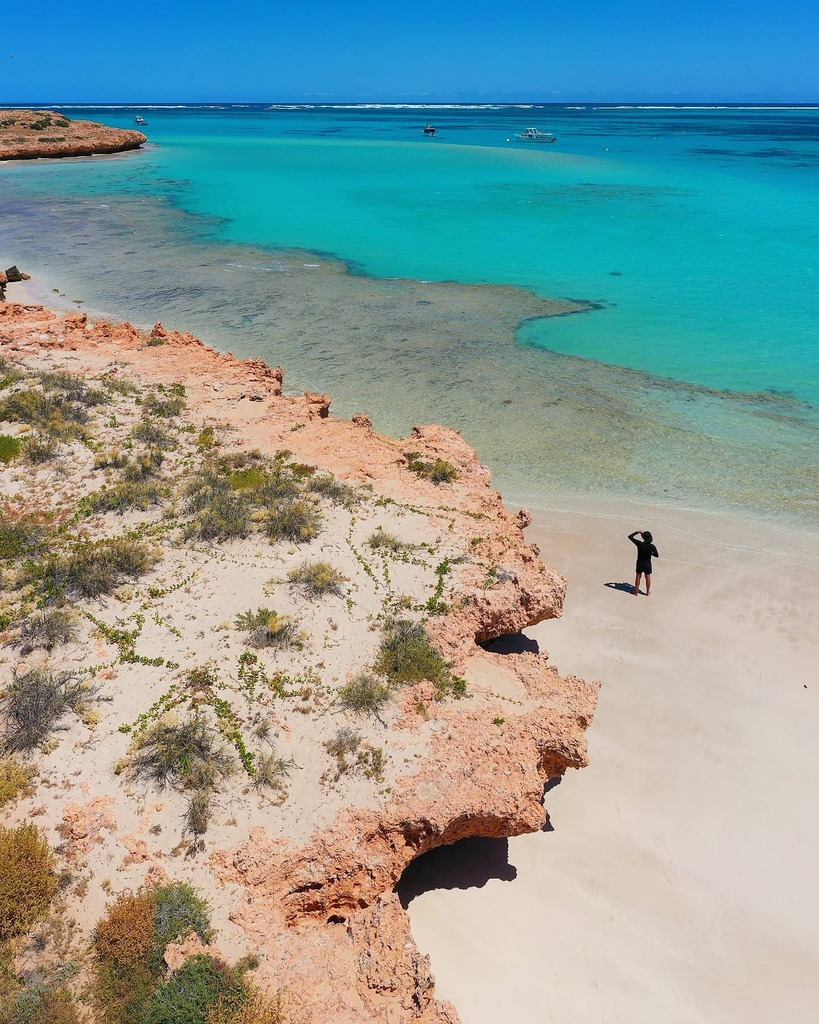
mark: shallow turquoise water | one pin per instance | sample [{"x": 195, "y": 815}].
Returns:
[{"x": 695, "y": 232}]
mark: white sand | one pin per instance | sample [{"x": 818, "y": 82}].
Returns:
[{"x": 680, "y": 881}]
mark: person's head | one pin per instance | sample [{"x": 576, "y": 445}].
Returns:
[{"x": 647, "y": 536}]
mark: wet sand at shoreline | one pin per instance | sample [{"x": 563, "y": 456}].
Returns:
[{"x": 677, "y": 880}]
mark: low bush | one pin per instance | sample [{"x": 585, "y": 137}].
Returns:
[
  {"x": 93, "y": 569},
  {"x": 439, "y": 471},
  {"x": 268, "y": 629},
  {"x": 222, "y": 516},
  {"x": 36, "y": 702},
  {"x": 406, "y": 654},
  {"x": 186, "y": 756},
  {"x": 47, "y": 629},
  {"x": 299, "y": 521},
  {"x": 147, "y": 464},
  {"x": 10, "y": 448},
  {"x": 364, "y": 695},
  {"x": 40, "y": 448},
  {"x": 270, "y": 771},
  {"x": 336, "y": 490},
  {"x": 53, "y": 415},
  {"x": 201, "y": 985},
  {"x": 28, "y": 880},
  {"x": 130, "y": 943},
  {"x": 114, "y": 459},
  {"x": 39, "y": 1003},
  {"x": 382, "y": 541},
  {"x": 14, "y": 778},
  {"x": 257, "y": 1010},
  {"x": 165, "y": 405},
  {"x": 72, "y": 389},
  {"x": 123, "y": 498},
  {"x": 19, "y": 536},
  {"x": 198, "y": 812},
  {"x": 316, "y": 579},
  {"x": 151, "y": 433}
]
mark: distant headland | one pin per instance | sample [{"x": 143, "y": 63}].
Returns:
[{"x": 29, "y": 134}]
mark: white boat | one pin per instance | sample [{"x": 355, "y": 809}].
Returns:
[
  {"x": 430, "y": 130},
  {"x": 139, "y": 120},
  {"x": 536, "y": 135}
]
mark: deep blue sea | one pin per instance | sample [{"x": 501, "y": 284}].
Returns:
[{"x": 409, "y": 277}]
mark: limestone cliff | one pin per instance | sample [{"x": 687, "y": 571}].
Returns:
[{"x": 308, "y": 886}]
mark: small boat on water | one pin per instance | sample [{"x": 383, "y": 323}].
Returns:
[
  {"x": 430, "y": 130},
  {"x": 536, "y": 135},
  {"x": 139, "y": 120}
]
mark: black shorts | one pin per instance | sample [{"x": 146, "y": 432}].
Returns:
[{"x": 644, "y": 567}]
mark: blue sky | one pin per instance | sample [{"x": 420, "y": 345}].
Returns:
[{"x": 549, "y": 51}]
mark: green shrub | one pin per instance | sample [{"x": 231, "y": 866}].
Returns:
[
  {"x": 299, "y": 521},
  {"x": 225, "y": 516},
  {"x": 40, "y": 448},
  {"x": 52, "y": 414},
  {"x": 178, "y": 910},
  {"x": 183, "y": 755},
  {"x": 316, "y": 579},
  {"x": 407, "y": 656},
  {"x": 123, "y": 498},
  {"x": 114, "y": 459},
  {"x": 268, "y": 629},
  {"x": 439, "y": 472},
  {"x": 35, "y": 703},
  {"x": 270, "y": 771},
  {"x": 200, "y": 985},
  {"x": 72, "y": 389},
  {"x": 380, "y": 540},
  {"x": 364, "y": 695},
  {"x": 20, "y": 536},
  {"x": 336, "y": 490},
  {"x": 14, "y": 778},
  {"x": 28, "y": 881},
  {"x": 39, "y": 1003},
  {"x": 164, "y": 405},
  {"x": 93, "y": 569},
  {"x": 207, "y": 439},
  {"x": 248, "y": 479},
  {"x": 147, "y": 464},
  {"x": 197, "y": 815},
  {"x": 10, "y": 448},
  {"x": 257, "y": 1010},
  {"x": 152, "y": 434},
  {"x": 47, "y": 629}
]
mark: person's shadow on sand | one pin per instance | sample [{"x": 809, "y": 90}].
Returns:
[
  {"x": 624, "y": 588},
  {"x": 467, "y": 864}
]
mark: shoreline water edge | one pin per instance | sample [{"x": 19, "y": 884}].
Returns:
[{"x": 693, "y": 702}]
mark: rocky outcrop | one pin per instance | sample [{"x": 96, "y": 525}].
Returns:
[
  {"x": 322, "y": 912},
  {"x": 28, "y": 134}
]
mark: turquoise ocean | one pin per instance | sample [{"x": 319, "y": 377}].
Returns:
[{"x": 410, "y": 276}]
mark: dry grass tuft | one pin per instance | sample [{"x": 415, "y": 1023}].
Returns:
[{"x": 28, "y": 881}]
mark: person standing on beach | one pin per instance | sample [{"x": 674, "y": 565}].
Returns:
[{"x": 645, "y": 549}]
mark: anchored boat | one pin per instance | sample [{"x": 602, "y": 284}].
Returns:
[{"x": 536, "y": 135}]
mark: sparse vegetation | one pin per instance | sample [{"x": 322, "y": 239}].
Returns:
[
  {"x": 147, "y": 464},
  {"x": 364, "y": 695},
  {"x": 381, "y": 540},
  {"x": 267, "y": 628},
  {"x": 187, "y": 756},
  {"x": 14, "y": 778},
  {"x": 36, "y": 702},
  {"x": 21, "y": 535},
  {"x": 336, "y": 490},
  {"x": 10, "y": 448},
  {"x": 40, "y": 448},
  {"x": 406, "y": 654},
  {"x": 271, "y": 771},
  {"x": 37, "y": 1002},
  {"x": 150, "y": 433},
  {"x": 352, "y": 755},
  {"x": 92, "y": 569},
  {"x": 165, "y": 404},
  {"x": 123, "y": 498},
  {"x": 47, "y": 629},
  {"x": 114, "y": 459},
  {"x": 439, "y": 471},
  {"x": 317, "y": 579},
  {"x": 53, "y": 415},
  {"x": 299, "y": 521},
  {"x": 200, "y": 985},
  {"x": 28, "y": 881}
]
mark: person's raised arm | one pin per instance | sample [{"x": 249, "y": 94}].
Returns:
[{"x": 631, "y": 537}]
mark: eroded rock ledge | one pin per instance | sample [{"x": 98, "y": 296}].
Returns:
[
  {"x": 29, "y": 134},
  {"x": 321, "y": 912}
]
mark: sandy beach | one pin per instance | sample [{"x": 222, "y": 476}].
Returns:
[{"x": 677, "y": 882}]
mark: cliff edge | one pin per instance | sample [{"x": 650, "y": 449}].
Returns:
[{"x": 360, "y": 718}]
